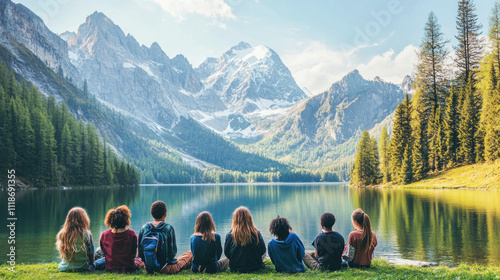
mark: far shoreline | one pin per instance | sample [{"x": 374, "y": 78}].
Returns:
[{"x": 246, "y": 184}]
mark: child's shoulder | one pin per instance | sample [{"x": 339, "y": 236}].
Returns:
[
  {"x": 355, "y": 234},
  {"x": 131, "y": 232}
]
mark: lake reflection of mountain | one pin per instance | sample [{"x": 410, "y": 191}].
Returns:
[{"x": 447, "y": 226}]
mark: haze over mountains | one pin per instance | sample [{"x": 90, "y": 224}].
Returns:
[{"x": 246, "y": 93}]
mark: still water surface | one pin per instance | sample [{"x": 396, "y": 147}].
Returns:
[{"x": 444, "y": 226}]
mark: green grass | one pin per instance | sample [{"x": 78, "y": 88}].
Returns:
[
  {"x": 380, "y": 269},
  {"x": 476, "y": 176}
]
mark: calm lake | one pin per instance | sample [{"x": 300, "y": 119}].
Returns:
[{"x": 444, "y": 226}]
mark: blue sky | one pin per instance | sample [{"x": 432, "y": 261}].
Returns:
[{"x": 320, "y": 41}]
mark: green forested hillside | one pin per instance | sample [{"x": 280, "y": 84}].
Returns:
[
  {"x": 449, "y": 122},
  {"x": 47, "y": 146},
  {"x": 154, "y": 152}
]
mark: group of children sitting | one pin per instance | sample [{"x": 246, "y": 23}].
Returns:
[{"x": 155, "y": 249}]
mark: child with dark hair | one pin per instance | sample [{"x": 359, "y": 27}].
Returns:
[
  {"x": 118, "y": 243},
  {"x": 287, "y": 251},
  {"x": 167, "y": 247},
  {"x": 329, "y": 245}
]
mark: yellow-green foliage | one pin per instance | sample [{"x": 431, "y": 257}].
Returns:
[{"x": 475, "y": 176}]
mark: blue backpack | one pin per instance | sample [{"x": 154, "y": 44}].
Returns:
[{"x": 153, "y": 244}]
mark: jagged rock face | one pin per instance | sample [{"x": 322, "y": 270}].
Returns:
[
  {"x": 407, "y": 84},
  {"x": 250, "y": 78},
  {"x": 30, "y": 31},
  {"x": 348, "y": 107},
  {"x": 136, "y": 79}
]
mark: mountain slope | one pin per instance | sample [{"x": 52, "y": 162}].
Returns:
[
  {"x": 322, "y": 131},
  {"x": 141, "y": 81},
  {"x": 29, "y": 30},
  {"x": 164, "y": 155}
]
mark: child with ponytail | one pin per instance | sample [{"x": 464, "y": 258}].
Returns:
[{"x": 362, "y": 242}]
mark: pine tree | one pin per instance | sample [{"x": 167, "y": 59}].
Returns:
[
  {"x": 430, "y": 72},
  {"x": 492, "y": 118},
  {"x": 437, "y": 142},
  {"x": 385, "y": 155},
  {"x": 420, "y": 126},
  {"x": 419, "y": 158},
  {"x": 406, "y": 167},
  {"x": 468, "y": 125},
  {"x": 362, "y": 173},
  {"x": 85, "y": 88},
  {"x": 494, "y": 33},
  {"x": 468, "y": 51},
  {"x": 401, "y": 139},
  {"x": 451, "y": 127},
  {"x": 374, "y": 161}
]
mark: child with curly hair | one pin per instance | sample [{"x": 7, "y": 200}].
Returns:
[{"x": 119, "y": 244}]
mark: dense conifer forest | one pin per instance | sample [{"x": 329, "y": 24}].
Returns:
[
  {"x": 449, "y": 121},
  {"x": 47, "y": 146}
]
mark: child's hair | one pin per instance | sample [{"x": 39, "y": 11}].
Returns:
[
  {"x": 327, "y": 220},
  {"x": 158, "y": 209},
  {"x": 280, "y": 228},
  {"x": 242, "y": 227},
  {"x": 363, "y": 220},
  {"x": 118, "y": 217},
  {"x": 76, "y": 224},
  {"x": 206, "y": 226}
]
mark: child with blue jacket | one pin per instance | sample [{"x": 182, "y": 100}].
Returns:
[{"x": 287, "y": 251}]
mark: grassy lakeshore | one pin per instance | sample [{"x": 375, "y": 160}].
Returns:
[
  {"x": 381, "y": 269},
  {"x": 482, "y": 176}
]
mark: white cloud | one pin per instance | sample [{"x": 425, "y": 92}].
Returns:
[
  {"x": 317, "y": 66},
  {"x": 214, "y": 9},
  {"x": 389, "y": 66}
]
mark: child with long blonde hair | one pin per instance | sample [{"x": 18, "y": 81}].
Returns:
[
  {"x": 74, "y": 242},
  {"x": 244, "y": 246}
]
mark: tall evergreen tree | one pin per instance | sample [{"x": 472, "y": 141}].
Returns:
[
  {"x": 451, "y": 127},
  {"x": 406, "y": 167},
  {"x": 85, "y": 88},
  {"x": 375, "y": 161},
  {"x": 401, "y": 140},
  {"x": 420, "y": 150},
  {"x": 468, "y": 51},
  {"x": 437, "y": 142},
  {"x": 494, "y": 33},
  {"x": 385, "y": 156},
  {"x": 469, "y": 120},
  {"x": 430, "y": 72},
  {"x": 363, "y": 173},
  {"x": 492, "y": 118}
]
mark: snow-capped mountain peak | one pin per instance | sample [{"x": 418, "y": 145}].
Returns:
[{"x": 245, "y": 77}]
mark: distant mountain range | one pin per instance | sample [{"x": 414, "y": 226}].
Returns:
[
  {"x": 322, "y": 131},
  {"x": 247, "y": 94}
]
